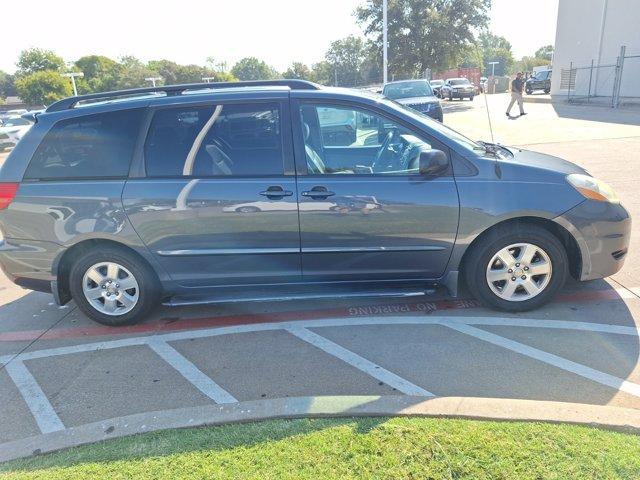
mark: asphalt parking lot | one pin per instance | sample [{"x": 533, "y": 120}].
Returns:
[{"x": 61, "y": 371}]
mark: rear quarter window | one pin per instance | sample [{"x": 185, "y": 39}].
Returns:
[{"x": 92, "y": 146}]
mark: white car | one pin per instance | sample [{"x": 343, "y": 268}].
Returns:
[{"x": 12, "y": 129}]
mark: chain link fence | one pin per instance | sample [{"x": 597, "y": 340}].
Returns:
[{"x": 613, "y": 83}]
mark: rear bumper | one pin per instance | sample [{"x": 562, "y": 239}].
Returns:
[
  {"x": 28, "y": 263},
  {"x": 603, "y": 232}
]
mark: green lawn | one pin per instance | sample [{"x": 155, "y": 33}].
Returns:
[{"x": 381, "y": 448}]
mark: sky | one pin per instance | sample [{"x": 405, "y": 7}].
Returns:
[{"x": 190, "y": 31}]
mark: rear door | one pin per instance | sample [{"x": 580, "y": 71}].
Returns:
[
  {"x": 216, "y": 198},
  {"x": 365, "y": 211}
]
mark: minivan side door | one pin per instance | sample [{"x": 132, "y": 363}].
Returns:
[
  {"x": 215, "y": 200},
  {"x": 366, "y": 212}
]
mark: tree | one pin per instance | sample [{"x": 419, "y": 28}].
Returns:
[
  {"x": 346, "y": 57},
  {"x": 251, "y": 68},
  {"x": 322, "y": 73},
  {"x": 424, "y": 33},
  {"x": 101, "y": 74},
  {"x": 496, "y": 49},
  {"x": 43, "y": 87},
  {"x": 472, "y": 57},
  {"x": 545, "y": 52},
  {"x": 7, "y": 87},
  {"x": 526, "y": 64},
  {"x": 298, "y": 70},
  {"x": 133, "y": 73},
  {"x": 37, "y": 60}
]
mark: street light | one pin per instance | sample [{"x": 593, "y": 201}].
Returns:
[
  {"x": 384, "y": 41},
  {"x": 208, "y": 79},
  {"x": 72, "y": 76},
  {"x": 153, "y": 80}
]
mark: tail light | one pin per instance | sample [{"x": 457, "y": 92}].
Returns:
[{"x": 7, "y": 193}]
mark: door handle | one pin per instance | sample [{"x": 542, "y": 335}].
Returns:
[
  {"x": 318, "y": 192},
  {"x": 276, "y": 191}
]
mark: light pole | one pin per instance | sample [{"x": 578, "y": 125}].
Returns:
[
  {"x": 208, "y": 79},
  {"x": 384, "y": 41},
  {"x": 72, "y": 76},
  {"x": 153, "y": 80}
]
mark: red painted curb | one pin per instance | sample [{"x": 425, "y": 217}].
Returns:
[{"x": 176, "y": 324}]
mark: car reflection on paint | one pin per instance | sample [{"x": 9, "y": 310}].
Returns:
[{"x": 267, "y": 206}]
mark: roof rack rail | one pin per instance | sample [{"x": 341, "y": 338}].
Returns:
[{"x": 171, "y": 90}]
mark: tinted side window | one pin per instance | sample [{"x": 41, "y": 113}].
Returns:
[
  {"x": 91, "y": 146},
  {"x": 216, "y": 140}
]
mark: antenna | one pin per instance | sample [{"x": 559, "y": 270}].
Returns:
[{"x": 486, "y": 104}]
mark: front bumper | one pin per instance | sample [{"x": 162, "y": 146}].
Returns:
[{"x": 603, "y": 232}]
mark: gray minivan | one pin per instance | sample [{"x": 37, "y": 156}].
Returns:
[{"x": 228, "y": 192}]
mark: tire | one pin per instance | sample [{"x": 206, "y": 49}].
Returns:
[
  {"x": 471, "y": 98},
  {"x": 477, "y": 265},
  {"x": 450, "y": 98},
  {"x": 529, "y": 91},
  {"x": 147, "y": 286},
  {"x": 547, "y": 91}
]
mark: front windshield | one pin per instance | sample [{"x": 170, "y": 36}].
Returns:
[
  {"x": 448, "y": 132},
  {"x": 437, "y": 83},
  {"x": 542, "y": 75},
  {"x": 395, "y": 91},
  {"x": 459, "y": 81}
]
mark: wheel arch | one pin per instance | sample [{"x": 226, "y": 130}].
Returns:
[
  {"x": 61, "y": 267},
  {"x": 568, "y": 241}
]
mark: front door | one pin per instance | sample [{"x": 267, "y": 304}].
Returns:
[
  {"x": 217, "y": 204},
  {"x": 366, "y": 213}
]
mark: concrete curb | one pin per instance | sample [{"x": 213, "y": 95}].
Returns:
[
  {"x": 611, "y": 418},
  {"x": 538, "y": 99}
]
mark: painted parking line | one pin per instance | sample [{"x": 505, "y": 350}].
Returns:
[
  {"x": 37, "y": 402},
  {"x": 177, "y": 324},
  {"x": 190, "y": 372},
  {"x": 361, "y": 363},
  {"x": 560, "y": 362},
  {"x": 48, "y": 421}
]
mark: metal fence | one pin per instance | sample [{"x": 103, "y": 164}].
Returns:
[{"x": 614, "y": 83}]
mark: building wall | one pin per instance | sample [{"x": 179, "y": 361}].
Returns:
[{"x": 594, "y": 30}]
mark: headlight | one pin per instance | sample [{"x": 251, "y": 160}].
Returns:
[{"x": 592, "y": 188}]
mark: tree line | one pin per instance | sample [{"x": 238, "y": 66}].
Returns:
[{"x": 423, "y": 35}]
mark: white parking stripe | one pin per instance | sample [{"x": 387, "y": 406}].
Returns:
[
  {"x": 329, "y": 322},
  {"x": 192, "y": 373},
  {"x": 355, "y": 360},
  {"x": 573, "y": 367},
  {"x": 41, "y": 409}
]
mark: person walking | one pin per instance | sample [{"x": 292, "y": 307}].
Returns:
[{"x": 517, "y": 85}]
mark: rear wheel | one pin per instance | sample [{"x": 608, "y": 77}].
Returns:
[
  {"x": 529, "y": 91},
  {"x": 517, "y": 269},
  {"x": 113, "y": 287}
]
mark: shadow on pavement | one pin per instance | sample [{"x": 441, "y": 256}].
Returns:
[{"x": 597, "y": 113}]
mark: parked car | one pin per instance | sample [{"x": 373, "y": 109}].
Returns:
[
  {"x": 458, "y": 88},
  {"x": 540, "y": 81},
  {"x": 12, "y": 129},
  {"x": 119, "y": 204},
  {"x": 416, "y": 94},
  {"x": 436, "y": 85}
]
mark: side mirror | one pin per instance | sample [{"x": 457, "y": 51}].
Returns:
[{"x": 433, "y": 163}]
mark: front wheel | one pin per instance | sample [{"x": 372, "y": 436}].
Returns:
[
  {"x": 517, "y": 269},
  {"x": 471, "y": 98},
  {"x": 529, "y": 91},
  {"x": 113, "y": 287}
]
